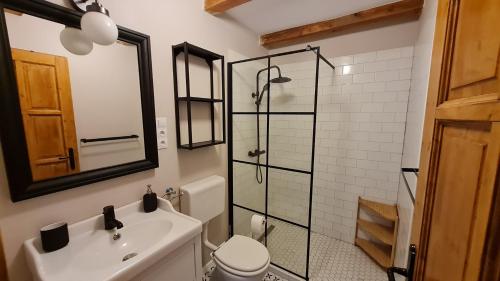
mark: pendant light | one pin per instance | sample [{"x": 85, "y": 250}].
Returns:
[
  {"x": 98, "y": 26},
  {"x": 76, "y": 41}
]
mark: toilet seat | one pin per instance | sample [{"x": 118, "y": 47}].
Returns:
[{"x": 242, "y": 256}]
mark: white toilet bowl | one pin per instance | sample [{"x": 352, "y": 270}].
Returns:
[{"x": 240, "y": 259}]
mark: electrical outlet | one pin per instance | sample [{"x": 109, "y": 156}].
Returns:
[{"x": 161, "y": 132}]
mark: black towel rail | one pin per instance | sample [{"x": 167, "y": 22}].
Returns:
[{"x": 110, "y": 138}]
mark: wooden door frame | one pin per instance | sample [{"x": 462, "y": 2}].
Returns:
[{"x": 438, "y": 108}]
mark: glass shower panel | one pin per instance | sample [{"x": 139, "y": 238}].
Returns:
[
  {"x": 287, "y": 245},
  {"x": 273, "y": 117},
  {"x": 288, "y": 195},
  {"x": 290, "y": 141},
  {"x": 247, "y": 192},
  {"x": 241, "y": 224},
  {"x": 246, "y": 78},
  {"x": 295, "y": 94},
  {"x": 245, "y": 137}
]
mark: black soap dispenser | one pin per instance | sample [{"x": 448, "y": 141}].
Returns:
[{"x": 149, "y": 200}]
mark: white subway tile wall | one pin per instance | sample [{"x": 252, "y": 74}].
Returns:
[{"x": 359, "y": 139}]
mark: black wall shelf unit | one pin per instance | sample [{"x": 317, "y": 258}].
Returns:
[{"x": 211, "y": 58}]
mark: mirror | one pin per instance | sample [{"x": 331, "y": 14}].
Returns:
[
  {"x": 78, "y": 118},
  {"x": 77, "y": 110}
]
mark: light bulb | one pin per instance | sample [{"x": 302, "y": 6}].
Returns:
[
  {"x": 99, "y": 28},
  {"x": 75, "y": 41}
]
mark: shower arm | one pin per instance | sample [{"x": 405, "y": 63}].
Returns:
[{"x": 259, "y": 94}]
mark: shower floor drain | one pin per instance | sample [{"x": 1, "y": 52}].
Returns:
[{"x": 129, "y": 256}]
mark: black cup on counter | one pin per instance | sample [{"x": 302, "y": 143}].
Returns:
[{"x": 54, "y": 236}]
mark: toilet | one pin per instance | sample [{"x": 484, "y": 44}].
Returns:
[{"x": 238, "y": 259}]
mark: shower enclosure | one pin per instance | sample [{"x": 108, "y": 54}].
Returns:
[{"x": 272, "y": 106}]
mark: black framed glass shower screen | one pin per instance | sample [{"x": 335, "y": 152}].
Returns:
[{"x": 272, "y": 131}]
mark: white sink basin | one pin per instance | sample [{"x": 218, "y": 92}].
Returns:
[{"x": 92, "y": 254}]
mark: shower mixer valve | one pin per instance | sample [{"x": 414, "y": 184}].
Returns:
[
  {"x": 256, "y": 153},
  {"x": 256, "y": 97}
]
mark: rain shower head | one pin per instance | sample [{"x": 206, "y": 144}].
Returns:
[
  {"x": 281, "y": 79},
  {"x": 278, "y": 80}
]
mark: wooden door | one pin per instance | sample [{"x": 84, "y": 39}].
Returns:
[
  {"x": 453, "y": 224},
  {"x": 47, "y": 110}
]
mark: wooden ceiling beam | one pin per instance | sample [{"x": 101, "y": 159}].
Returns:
[
  {"x": 404, "y": 8},
  {"x": 220, "y": 6}
]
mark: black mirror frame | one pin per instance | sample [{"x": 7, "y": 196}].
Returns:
[{"x": 14, "y": 146}]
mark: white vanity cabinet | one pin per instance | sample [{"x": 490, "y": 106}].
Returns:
[{"x": 183, "y": 264}]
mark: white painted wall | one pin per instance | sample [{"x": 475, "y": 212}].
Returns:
[
  {"x": 414, "y": 125},
  {"x": 200, "y": 112},
  {"x": 168, "y": 23}
]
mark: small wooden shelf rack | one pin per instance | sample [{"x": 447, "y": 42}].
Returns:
[{"x": 383, "y": 248}]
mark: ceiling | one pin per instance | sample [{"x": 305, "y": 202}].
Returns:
[{"x": 265, "y": 16}]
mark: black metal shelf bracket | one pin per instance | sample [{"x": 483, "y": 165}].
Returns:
[
  {"x": 209, "y": 57},
  {"x": 403, "y": 173},
  {"x": 109, "y": 138}
]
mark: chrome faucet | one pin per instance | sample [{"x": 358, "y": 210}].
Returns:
[{"x": 110, "y": 222}]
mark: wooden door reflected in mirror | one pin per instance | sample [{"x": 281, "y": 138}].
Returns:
[{"x": 47, "y": 108}]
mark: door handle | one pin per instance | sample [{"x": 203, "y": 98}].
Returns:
[
  {"x": 70, "y": 157},
  {"x": 407, "y": 272}
]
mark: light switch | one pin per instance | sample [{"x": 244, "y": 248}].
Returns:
[
  {"x": 161, "y": 132},
  {"x": 161, "y": 122}
]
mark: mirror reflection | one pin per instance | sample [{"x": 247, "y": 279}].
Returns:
[{"x": 80, "y": 113}]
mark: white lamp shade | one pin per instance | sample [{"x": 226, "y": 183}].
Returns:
[
  {"x": 99, "y": 28},
  {"x": 75, "y": 41}
]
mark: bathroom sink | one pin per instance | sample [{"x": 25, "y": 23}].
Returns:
[{"x": 93, "y": 254}]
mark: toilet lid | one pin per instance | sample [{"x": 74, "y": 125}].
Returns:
[{"x": 243, "y": 254}]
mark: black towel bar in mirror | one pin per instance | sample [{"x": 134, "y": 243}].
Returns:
[{"x": 110, "y": 138}]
